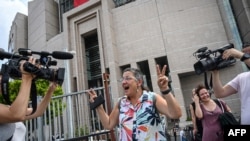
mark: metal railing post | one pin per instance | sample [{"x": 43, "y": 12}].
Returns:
[
  {"x": 107, "y": 95},
  {"x": 39, "y": 122}
]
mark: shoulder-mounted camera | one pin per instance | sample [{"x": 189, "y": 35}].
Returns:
[
  {"x": 212, "y": 59},
  {"x": 11, "y": 69}
]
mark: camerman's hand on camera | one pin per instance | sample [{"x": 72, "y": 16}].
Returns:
[
  {"x": 246, "y": 49},
  {"x": 232, "y": 53},
  {"x": 25, "y": 74}
]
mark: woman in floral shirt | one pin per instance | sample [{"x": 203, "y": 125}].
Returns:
[{"x": 138, "y": 112}]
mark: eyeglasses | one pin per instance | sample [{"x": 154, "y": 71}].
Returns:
[{"x": 126, "y": 79}]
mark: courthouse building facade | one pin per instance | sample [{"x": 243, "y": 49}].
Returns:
[{"x": 110, "y": 35}]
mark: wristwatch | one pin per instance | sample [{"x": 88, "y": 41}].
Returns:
[
  {"x": 166, "y": 91},
  {"x": 245, "y": 56}
]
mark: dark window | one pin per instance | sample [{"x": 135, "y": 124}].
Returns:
[
  {"x": 161, "y": 61},
  {"x": 93, "y": 57},
  {"x": 122, "y": 2},
  {"x": 144, "y": 68},
  {"x": 66, "y": 5},
  {"x": 93, "y": 71},
  {"x": 240, "y": 10},
  {"x": 124, "y": 67}
]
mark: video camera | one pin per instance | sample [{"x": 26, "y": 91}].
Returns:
[
  {"x": 212, "y": 59},
  {"x": 11, "y": 68}
]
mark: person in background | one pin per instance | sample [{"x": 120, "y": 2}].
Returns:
[
  {"x": 181, "y": 134},
  {"x": 138, "y": 112},
  {"x": 11, "y": 116},
  {"x": 175, "y": 134},
  {"x": 239, "y": 84},
  {"x": 197, "y": 125},
  {"x": 208, "y": 112}
]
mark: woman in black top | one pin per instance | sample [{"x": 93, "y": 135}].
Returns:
[{"x": 197, "y": 126}]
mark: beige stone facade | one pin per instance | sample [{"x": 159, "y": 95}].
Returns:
[{"x": 18, "y": 33}]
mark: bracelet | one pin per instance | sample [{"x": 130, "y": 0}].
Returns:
[{"x": 166, "y": 92}]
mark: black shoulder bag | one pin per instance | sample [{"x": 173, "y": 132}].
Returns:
[{"x": 226, "y": 118}]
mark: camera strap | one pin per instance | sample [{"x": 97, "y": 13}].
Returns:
[
  {"x": 210, "y": 86},
  {"x": 5, "y": 91},
  {"x": 33, "y": 95},
  {"x": 5, "y": 88}
]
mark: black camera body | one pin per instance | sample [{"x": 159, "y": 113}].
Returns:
[
  {"x": 51, "y": 74},
  {"x": 212, "y": 59},
  {"x": 12, "y": 67}
]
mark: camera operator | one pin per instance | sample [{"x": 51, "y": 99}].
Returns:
[
  {"x": 18, "y": 111},
  {"x": 243, "y": 55},
  {"x": 239, "y": 84}
]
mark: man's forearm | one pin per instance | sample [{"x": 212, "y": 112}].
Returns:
[
  {"x": 19, "y": 106},
  {"x": 217, "y": 86}
]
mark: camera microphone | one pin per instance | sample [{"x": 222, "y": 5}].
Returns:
[
  {"x": 61, "y": 55},
  {"x": 54, "y": 54},
  {"x": 28, "y": 52},
  {"x": 203, "y": 49},
  {"x": 7, "y": 55}
]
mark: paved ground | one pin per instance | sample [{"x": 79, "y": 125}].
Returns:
[{"x": 177, "y": 139}]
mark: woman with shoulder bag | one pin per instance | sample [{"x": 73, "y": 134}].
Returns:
[{"x": 208, "y": 111}]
